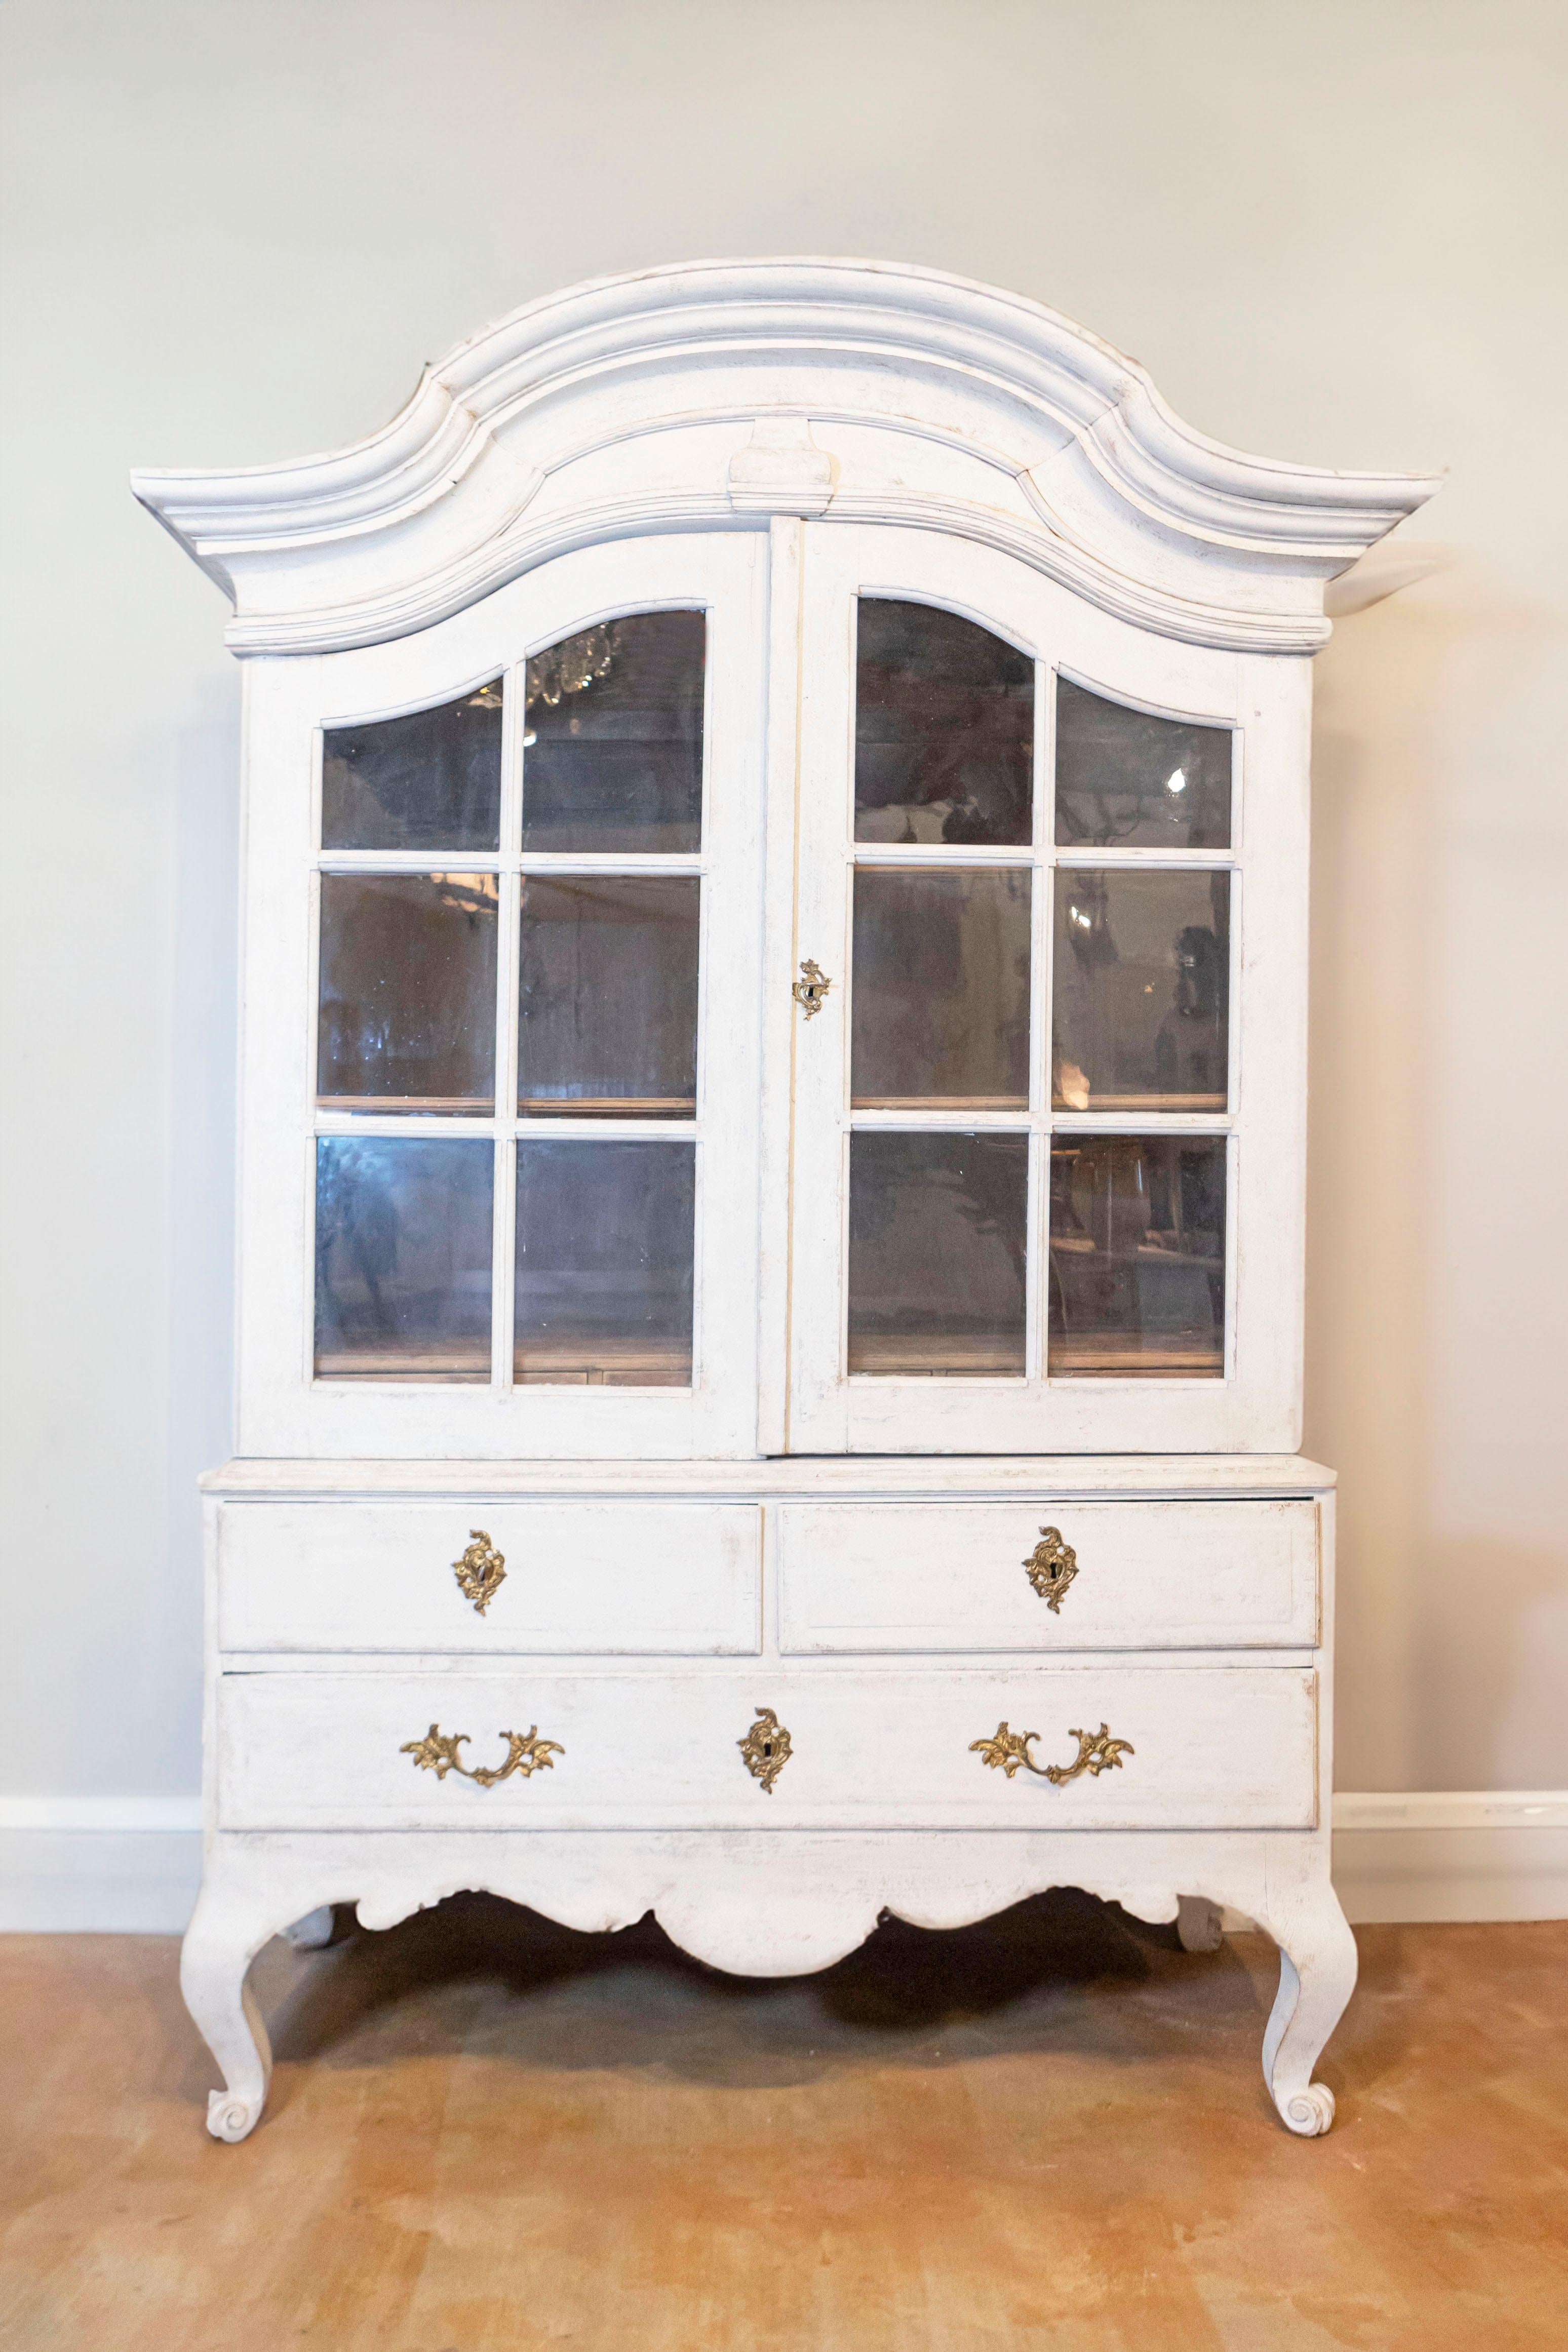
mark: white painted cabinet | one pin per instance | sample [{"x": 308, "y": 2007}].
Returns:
[{"x": 771, "y": 1144}]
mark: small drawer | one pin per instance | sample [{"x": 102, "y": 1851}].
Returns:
[
  {"x": 590, "y": 1579},
  {"x": 956, "y": 1576},
  {"x": 1185, "y": 1748}
]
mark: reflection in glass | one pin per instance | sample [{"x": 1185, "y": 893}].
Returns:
[
  {"x": 941, "y": 996},
  {"x": 1141, "y": 987},
  {"x": 604, "y": 1248},
  {"x": 612, "y": 745},
  {"x": 607, "y": 996},
  {"x": 1126, "y": 778},
  {"x": 406, "y": 1017},
  {"x": 403, "y": 1259},
  {"x": 1137, "y": 1269},
  {"x": 937, "y": 1254},
  {"x": 944, "y": 728},
  {"x": 430, "y": 779}
]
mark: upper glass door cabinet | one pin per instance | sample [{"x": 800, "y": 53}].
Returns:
[
  {"x": 522, "y": 1094},
  {"x": 1055, "y": 889}
]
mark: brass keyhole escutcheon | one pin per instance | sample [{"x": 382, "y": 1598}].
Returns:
[
  {"x": 766, "y": 1749},
  {"x": 810, "y": 990},
  {"x": 1050, "y": 1569},
  {"x": 481, "y": 1572}
]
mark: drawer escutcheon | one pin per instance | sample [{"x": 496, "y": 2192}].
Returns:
[
  {"x": 1050, "y": 1569},
  {"x": 481, "y": 1572},
  {"x": 526, "y": 1753},
  {"x": 766, "y": 1749},
  {"x": 1097, "y": 1753}
]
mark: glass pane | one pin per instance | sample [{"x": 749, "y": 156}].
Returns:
[
  {"x": 1125, "y": 777},
  {"x": 944, "y": 729},
  {"x": 403, "y": 1259},
  {"x": 613, "y": 748},
  {"x": 1140, "y": 990},
  {"x": 605, "y": 1239},
  {"x": 607, "y": 996},
  {"x": 430, "y": 779},
  {"x": 408, "y": 1012},
  {"x": 1137, "y": 1283},
  {"x": 937, "y": 1253},
  {"x": 941, "y": 999}
]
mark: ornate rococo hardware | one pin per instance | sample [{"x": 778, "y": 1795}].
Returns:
[
  {"x": 481, "y": 1572},
  {"x": 810, "y": 990},
  {"x": 1097, "y": 1753},
  {"x": 1050, "y": 1569},
  {"x": 766, "y": 1749},
  {"x": 526, "y": 1753}
]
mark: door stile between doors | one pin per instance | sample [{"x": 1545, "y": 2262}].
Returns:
[
  {"x": 781, "y": 858},
  {"x": 818, "y": 1419}
]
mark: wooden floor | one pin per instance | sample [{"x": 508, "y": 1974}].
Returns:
[{"x": 489, "y": 2135}]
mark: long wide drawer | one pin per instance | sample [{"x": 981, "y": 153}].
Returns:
[
  {"x": 593, "y": 1579},
  {"x": 1191, "y": 1747},
  {"x": 957, "y": 1576}
]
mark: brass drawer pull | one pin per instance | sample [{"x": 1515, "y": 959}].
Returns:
[
  {"x": 1097, "y": 1753},
  {"x": 481, "y": 1572},
  {"x": 766, "y": 1749},
  {"x": 1050, "y": 1569},
  {"x": 526, "y": 1753}
]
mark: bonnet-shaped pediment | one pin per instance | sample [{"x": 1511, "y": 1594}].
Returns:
[{"x": 714, "y": 395}]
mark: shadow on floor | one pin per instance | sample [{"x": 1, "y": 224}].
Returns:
[{"x": 479, "y": 1974}]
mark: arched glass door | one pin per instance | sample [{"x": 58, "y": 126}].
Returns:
[{"x": 1019, "y": 1117}]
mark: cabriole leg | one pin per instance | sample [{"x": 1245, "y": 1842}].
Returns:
[
  {"x": 1317, "y": 1977},
  {"x": 214, "y": 1960}
]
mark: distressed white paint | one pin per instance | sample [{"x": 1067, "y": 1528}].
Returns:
[
  {"x": 890, "y": 1747},
  {"x": 583, "y": 1577},
  {"x": 949, "y": 1576},
  {"x": 764, "y": 439}
]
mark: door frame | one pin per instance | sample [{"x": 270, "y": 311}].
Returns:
[{"x": 1266, "y": 699}]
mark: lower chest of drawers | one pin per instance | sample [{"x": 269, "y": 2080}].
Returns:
[{"x": 744, "y": 1660}]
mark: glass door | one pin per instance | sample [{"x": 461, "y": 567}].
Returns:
[
  {"x": 1020, "y": 1132},
  {"x": 531, "y": 1067}
]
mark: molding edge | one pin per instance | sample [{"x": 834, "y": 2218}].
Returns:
[{"x": 405, "y": 527}]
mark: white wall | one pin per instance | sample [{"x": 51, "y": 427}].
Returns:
[{"x": 1333, "y": 232}]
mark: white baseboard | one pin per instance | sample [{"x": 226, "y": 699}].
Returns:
[
  {"x": 99, "y": 1866},
  {"x": 130, "y": 1865},
  {"x": 1460, "y": 1855}
]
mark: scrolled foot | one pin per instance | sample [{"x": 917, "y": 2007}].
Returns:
[
  {"x": 1311, "y": 2111},
  {"x": 216, "y": 1954},
  {"x": 231, "y": 2119},
  {"x": 1317, "y": 1975}
]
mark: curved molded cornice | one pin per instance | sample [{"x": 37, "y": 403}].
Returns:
[{"x": 711, "y": 395}]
